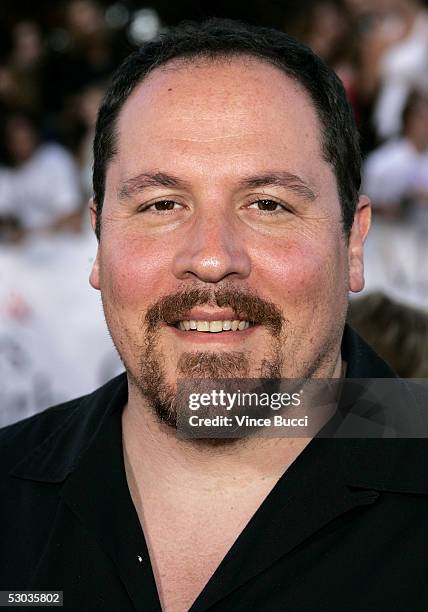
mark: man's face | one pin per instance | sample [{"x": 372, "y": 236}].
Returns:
[{"x": 219, "y": 207}]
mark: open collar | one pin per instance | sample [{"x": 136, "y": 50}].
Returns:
[{"x": 62, "y": 449}]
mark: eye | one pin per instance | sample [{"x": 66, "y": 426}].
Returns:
[
  {"x": 268, "y": 206},
  {"x": 160, "y": 206}
]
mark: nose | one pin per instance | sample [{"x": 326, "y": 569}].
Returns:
[{"x": 212, "y": 251}]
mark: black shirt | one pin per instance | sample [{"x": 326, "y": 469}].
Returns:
[{"x": 345, "y": 528}]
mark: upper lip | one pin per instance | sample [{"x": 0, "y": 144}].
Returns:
[{"x": 205, "y": 314}]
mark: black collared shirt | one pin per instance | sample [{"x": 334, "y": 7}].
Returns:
[{"x": 345, "y": 528}]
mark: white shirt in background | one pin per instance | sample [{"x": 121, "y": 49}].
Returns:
[
  {"x": 396, "y": 251},
  {"x": 404, "y": 67},
  {"x": 394, "y": 172},
  {"x": 43, "y": 189}
]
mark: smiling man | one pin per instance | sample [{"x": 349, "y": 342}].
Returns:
[{"x": 230, "y": 232}]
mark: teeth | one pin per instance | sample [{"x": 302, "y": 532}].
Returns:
[
  {"x": 203, "y": 326},
  {"x": 213, "y": 326},
  {"x": 216, "y": 326}
]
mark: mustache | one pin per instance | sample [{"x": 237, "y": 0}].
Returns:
[{"x": 246, "y": 304}]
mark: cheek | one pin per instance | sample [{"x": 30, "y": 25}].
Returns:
[
  {"x": 302, "y": 275},
  {"x": 132, "y": 271}
]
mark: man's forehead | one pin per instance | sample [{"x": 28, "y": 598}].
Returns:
[{"x": 220, "y": 95}]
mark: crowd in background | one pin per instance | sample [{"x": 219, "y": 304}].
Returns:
[{"x": 53, "y": 72}]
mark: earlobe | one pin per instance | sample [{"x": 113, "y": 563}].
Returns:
[
  {"x": 94, "y": 277},
  {"x": 360, "y": 229}
]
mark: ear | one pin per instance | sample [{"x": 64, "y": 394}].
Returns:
[
  {"x": 359, "y": 231},
  {"x": 94, "y": 277}
]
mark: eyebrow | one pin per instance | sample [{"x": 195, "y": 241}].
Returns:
[
  {"x": 283, "y": 179},
  {"x": 135, "y": 185}
]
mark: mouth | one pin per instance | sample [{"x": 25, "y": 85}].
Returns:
[
  {"x": 213, "y": 327},
  {"x": 203, "y": 321}
]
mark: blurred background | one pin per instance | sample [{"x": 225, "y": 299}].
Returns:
[{"x": 55, "y": 62}]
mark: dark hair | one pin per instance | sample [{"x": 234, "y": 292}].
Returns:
[
  {"x": 397, "y": 332},
  {"x": 216, "y": 38},
  {"x": 8, "y": 123}
]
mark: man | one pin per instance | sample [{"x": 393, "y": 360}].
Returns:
[{"x": 230, "y": 231}]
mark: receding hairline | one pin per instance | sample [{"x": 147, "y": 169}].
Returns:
[{"x": 203, "y": 58}]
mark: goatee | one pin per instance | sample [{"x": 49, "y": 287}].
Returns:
[{"x": 152, "y": 381}]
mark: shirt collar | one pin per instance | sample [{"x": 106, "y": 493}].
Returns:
[{"x": 63, "y": 448}]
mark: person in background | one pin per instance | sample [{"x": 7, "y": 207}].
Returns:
[
  {"x": 396, "y": 173},
  {"x": 326, "y": 27},
  {"x": 404, "y": 64},
  {"x": 21, "y": 73},
  {"x": 395, "y": 176},
  {"x": 398, "y": 332},
  {"x": 87, "y": 108},
  {"x": 39, "y": 182}
]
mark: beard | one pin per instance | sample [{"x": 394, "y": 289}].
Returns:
[{"x": 151, "y": 379}]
